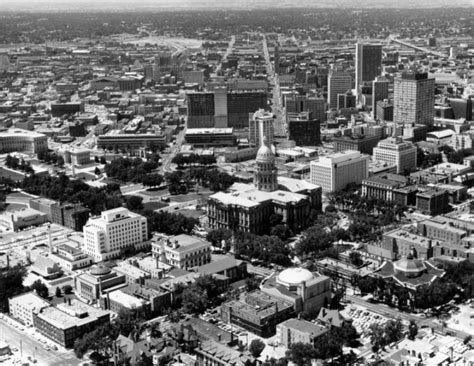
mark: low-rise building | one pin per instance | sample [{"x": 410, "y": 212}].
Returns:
[
  {"x": 23, "y": 218},
  {"x": 119, "y": 300},
  {"x": 133, "y": 274},
  {"x": 294, "y": 331},
  {"x": 182, "y": 251},
  {"x": 91, "y": 285},
  {"x": 403, "y": 243},
  {"x": 17, "y": 140},
  {"x": 259, "y": 313},
  {"x": 46, "y": 267},
  {"x": 214, "y": 353},
  {"x": 229, "y": 267},
  {"x": 69, "y": 257},
  {"x": 24, "y": 306},
  {"x": 304, "y": 290},
  {"x": 432, "y": 201},
  {"x": 69, "y": 321}
]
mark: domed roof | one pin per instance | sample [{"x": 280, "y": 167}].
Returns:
[
  {"x": 265, "y": 154},
  {"x": 100, "y": 271},
  {"x": 409, "y": 265},
  {"x": 295, "y": 276}
]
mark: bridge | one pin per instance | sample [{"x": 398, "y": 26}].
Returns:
[{"x": 417, "y": 48}]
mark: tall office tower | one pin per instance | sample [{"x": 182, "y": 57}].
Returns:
[
  {"x": 339, "y": 82},
  {"x": 220, "y": 107},
  {"x": 304, "y": 130},
  {"x": 395, "y": 151},
  {"x": 462, "y": 108},
  {"x": 368, "y": 63},
  {"x": 241, "y": 103},
  {"x": 295, "y": 104},
  {"x": 261, "y": 121},
  {"x": 413, "y": 99},
  {"x": 113, "y": 233},
  {"x": 379, "y": 92},
  {"x": 334, "y": 172},
  {"x": 165, "y": 63},
  {"x": 201, "y": 110}
]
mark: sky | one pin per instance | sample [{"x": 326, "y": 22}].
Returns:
[{"x": 127, "y": 5}]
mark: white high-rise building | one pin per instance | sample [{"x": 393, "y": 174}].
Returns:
[
  {"x": 334, "y": 172},
  {"x": 395, "y": 151},
  {"x": 261, "y": 124},
  {"x": 115, "y": 231}
]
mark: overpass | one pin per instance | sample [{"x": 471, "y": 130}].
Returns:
[{"x": 417, "y": 48}]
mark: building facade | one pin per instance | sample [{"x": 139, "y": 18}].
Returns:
[
  {"x": 368, "y": 63},
  {"x": 334, "y": 172},
  {"x": 261, "y": 121},
  {"x": 304, "y": 130},
  {"x": 16, "y": 140},
  {"x": 339, "y": 82},
  {"x": 413, "y": 99},
  {"x": 114, "y": 232},
  {"x": 24, "y": 306},
  {"x": 182, "y": 251},
  {"x": 395, "y": 151}
]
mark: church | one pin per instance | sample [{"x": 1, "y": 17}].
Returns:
[{"x": 247, "y": 207}]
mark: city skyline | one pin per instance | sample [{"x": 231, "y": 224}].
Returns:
[{"x": 208, "y": 5}]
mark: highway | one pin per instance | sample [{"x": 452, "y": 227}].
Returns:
[{"x": 418, "y": 48}]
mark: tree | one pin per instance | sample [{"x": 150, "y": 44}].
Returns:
[
  {"x": 67, "y": 289},
  {"x": 377, "y": 337},
  {"x": 96, "y": 159},
  {"x": 40, "y": 289},
  {"x": 393, "y": 331},
  {"x": 256, "y": 347},
  {"x": 355, "y": 258},
  {"x": 97, "y": 171},
  {"x": 103, "y": 160},
  {"x": 60, "y": 161},
  {"x": 301, "y": 353},
  {"x": 194, "y": 301},
  {"x": 135, "y": 203},
  {"x": 58, "y": 292},
  {"x": 412, "y": 330}
]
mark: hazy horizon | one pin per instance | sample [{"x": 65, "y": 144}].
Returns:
[{"x": 123, "y": 5}]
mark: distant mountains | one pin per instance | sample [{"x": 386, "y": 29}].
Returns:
[{"x": 137, "y": 5}]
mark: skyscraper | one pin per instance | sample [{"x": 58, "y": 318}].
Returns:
[
  {"x": 296, "y": 103},
  {"x": 368, "y": 63},
  {"x": 413, "y": 99},
  {"x": 339, "y": 82},
  {"x": 261, "y": 122},
  {"x": 379, "y": 92}
]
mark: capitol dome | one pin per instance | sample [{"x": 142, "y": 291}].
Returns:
[
  {"x": 294, "y": 276},
  {"x": 409, "y": 266},
  {"x": 265, "y": 154},
  {"x": 100, "y": 271}
]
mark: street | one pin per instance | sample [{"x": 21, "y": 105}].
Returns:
[
  {"x": 34, "y": 349},
  {"x": 394, "y": 313}
]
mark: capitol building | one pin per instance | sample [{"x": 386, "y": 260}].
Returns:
[{"x": 248, "y": 207}]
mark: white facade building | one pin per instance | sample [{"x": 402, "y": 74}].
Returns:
[
  {"x": 113, "y": 232},
  {"x": 182, "y": 251},
  {"x": 395, "y": 151},
  {"x": 22, "y": 307},
  {"x": 334, "y": 172}
]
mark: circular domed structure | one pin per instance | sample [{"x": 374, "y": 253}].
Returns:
[
  {"x": 100, "y": 271},
  {"x": 265, "y": 154},
  {"x": 294, "y": 276},
  {"x": 409, "y": 266}
]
